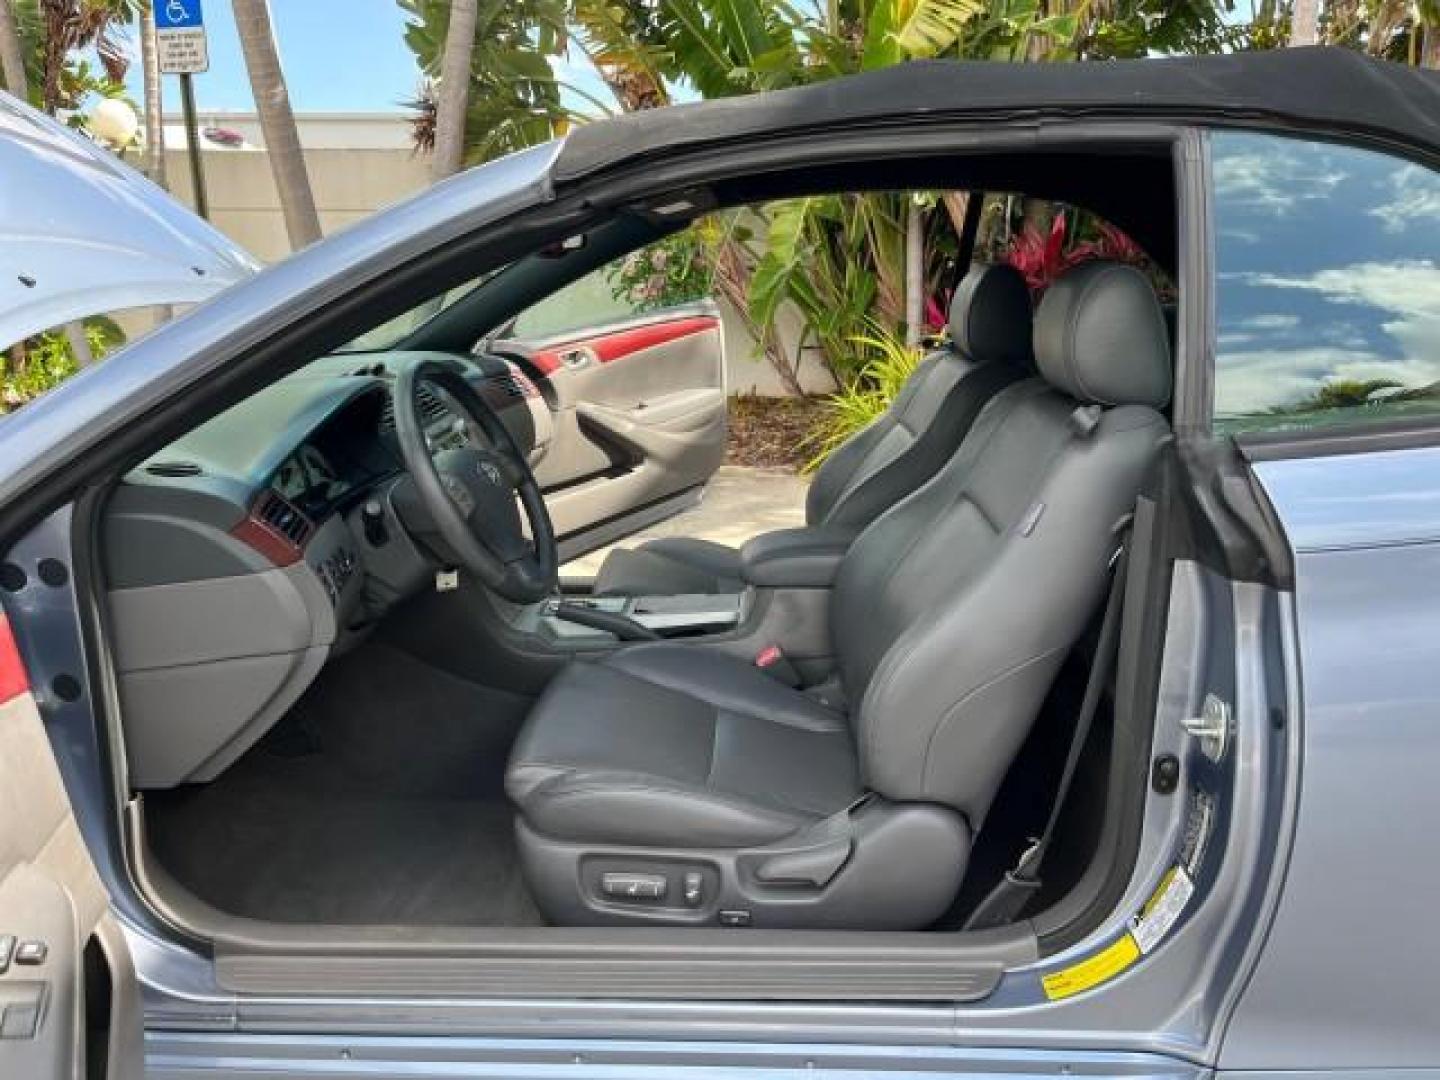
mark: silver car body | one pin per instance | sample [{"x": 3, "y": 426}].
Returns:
[
  {"x": 85, "y": 234},
  {"x": 1308, "y": 947}
]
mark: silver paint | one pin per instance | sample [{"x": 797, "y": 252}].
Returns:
[{"x": 1348, "y": 976}]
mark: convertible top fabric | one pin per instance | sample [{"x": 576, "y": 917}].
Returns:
[{"x": 1326, "y": 88}]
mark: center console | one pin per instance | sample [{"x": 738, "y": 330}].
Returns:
[{"x": 663, "y": 616}]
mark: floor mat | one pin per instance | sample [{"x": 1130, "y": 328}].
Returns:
[{"x": 378, "y": 800}]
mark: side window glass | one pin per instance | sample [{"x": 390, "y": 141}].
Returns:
[
  {"x": 1327, "y": 285},
  {"x": 665, "y": 274}
]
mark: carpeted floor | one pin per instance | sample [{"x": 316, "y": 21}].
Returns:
[{"x": 377, "y": 801}]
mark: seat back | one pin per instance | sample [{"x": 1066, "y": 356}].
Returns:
[
  {"x": 989, "y": 347},
  {"x": 953, "y": 612}
]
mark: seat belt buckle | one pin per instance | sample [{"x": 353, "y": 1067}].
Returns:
[
  {"x": 1023, "y": 873},
  {"x": 1009, "y": 896},
  {"x": 772, "y": 660}
]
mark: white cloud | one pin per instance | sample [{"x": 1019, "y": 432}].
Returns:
[
  {"x": 1254, "y": 381},
  {"x": 1406, "y": 287},
  {"x": 1275, "y": 181},
  {"x": 1415, "y": 196},
  {"x": 1407, "y": 291},
  {"x": 1269, "y": 321}
]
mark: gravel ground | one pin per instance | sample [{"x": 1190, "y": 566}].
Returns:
[{"x": 772, "y": 432}]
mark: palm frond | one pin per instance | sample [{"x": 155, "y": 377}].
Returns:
[{"x": 924, "y": 28}]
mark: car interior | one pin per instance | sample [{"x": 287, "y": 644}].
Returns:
[{"x": 355, "y": 688}]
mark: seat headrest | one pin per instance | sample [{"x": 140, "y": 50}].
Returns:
[
  {"x": 1100, "y": 337},
  {"x": 990, "y": 317}
]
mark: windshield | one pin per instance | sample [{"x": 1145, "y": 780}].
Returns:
[{"x": 390, "y": 333}]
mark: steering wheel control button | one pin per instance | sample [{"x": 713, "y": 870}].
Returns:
[
  {"x": 633, "y": 886},
  {"x": 7, "y": 951},
  {"x": 31, "y": 953},
  {"x": 735, "y": 917}
]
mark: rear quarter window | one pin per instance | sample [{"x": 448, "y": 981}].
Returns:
[{"x": 1327, "y": 291}]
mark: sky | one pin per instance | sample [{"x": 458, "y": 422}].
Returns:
[{"x": 338, "y": 56}]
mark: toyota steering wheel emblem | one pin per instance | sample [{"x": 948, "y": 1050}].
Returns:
[{"x": 490, "y": 472}]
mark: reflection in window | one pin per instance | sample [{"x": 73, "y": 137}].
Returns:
[
  {"x": 665, "y": 274},
  {"x": 1328, "y": 285}
]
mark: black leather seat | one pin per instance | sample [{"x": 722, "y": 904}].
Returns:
[
  {"x": 713, "y": 792},
  {"x": 989, "y": 347},
  {"x": 681, "y": 745}
]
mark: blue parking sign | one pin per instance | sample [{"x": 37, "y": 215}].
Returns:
[{"x": 178, "y": 15}]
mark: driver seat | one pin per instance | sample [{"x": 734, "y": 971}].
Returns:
[{"x": 681, "y": 784}]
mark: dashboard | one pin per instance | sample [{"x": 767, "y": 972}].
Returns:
[
  {"x": 241, "y": 558},
  {"x": 309, "y": 481},
  {"x": 347, "y": 454}
]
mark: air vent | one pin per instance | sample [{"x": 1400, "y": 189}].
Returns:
[
  {"x": 433, "y": 410},
  {"x": 512, "y": 383},
  {"x": 279, "y": 516},
  {"x": 174, "y": 468}
]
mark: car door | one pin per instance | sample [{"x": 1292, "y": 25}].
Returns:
[
  {"x": 69, "y": 999},
  {"x": 634, "y": 376},
  {"x": 1327, "y": 307}
]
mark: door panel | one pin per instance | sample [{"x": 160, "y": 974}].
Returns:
[
  {"x": 1365, "y": 530},
  {"x": 77, "y": 1011},
  {"x": 639, "y": 419}
]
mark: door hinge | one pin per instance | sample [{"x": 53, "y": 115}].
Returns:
[{"x": 1212, "y": 727}]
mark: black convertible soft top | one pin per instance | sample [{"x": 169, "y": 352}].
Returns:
[{"x": 1327, "y": 89}]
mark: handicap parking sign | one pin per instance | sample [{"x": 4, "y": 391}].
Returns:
[
  {"x": 178, "y": 15},
  {"x": 180, "y": 37}
]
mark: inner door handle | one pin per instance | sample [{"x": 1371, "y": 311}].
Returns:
[{"x": 575, "y": 359}]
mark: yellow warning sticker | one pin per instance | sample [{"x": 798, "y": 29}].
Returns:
[{"x": 1093, "y": 970}]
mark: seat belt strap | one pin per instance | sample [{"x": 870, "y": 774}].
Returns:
[{"x": 1011, "y": 893}]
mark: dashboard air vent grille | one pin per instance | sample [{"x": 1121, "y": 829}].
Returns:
[
  {"x": 511, "y": 383},
  {"x": 174, "y": 468},
  {"x": 433, "y": 410},
  {"x": 273, "y": 511}
]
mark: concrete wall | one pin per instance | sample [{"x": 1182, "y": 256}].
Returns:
[
  {"x": 747, "y": 371},
  {"x": 349, "y": 184}
]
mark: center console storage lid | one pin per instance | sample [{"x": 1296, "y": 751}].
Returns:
[{"x": 807, "y": 558}]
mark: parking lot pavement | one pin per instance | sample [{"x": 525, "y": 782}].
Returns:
[{"x": 738, "y": 504}]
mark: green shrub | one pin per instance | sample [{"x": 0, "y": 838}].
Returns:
[
  {"x": 864, "y": 398},
  {"x": 667, "y": 273},
  {"x": 43, "y": 362}
]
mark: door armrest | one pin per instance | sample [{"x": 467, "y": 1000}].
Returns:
[{"x": 807, "y": 558}]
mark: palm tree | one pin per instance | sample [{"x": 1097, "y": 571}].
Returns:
[
  {"x": 622, "y": 39},
  {"x": 514, "y": 96},
  {"x": 12, "y": 52},
  {"x": 154, "y": 125},
  {"x": 452, "y": 104},
  {"x": 1305, "y": 23},
  {"x": 1429, "y": 19},
  {"x": 277, "y": 121}
]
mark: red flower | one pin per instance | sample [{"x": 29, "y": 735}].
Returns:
[{"x": 1041, "y": 261}]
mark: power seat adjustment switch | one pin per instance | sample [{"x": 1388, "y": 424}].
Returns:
[
  {"x": 692, "y": 888},
  {"x": 634, "y": 887}
]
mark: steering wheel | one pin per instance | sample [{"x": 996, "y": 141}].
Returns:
[{"x": 468, "y": 492}]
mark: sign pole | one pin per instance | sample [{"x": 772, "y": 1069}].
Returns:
[
  {"x": 181, "y": 48},
  {"x": 192, "y": 145}
]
